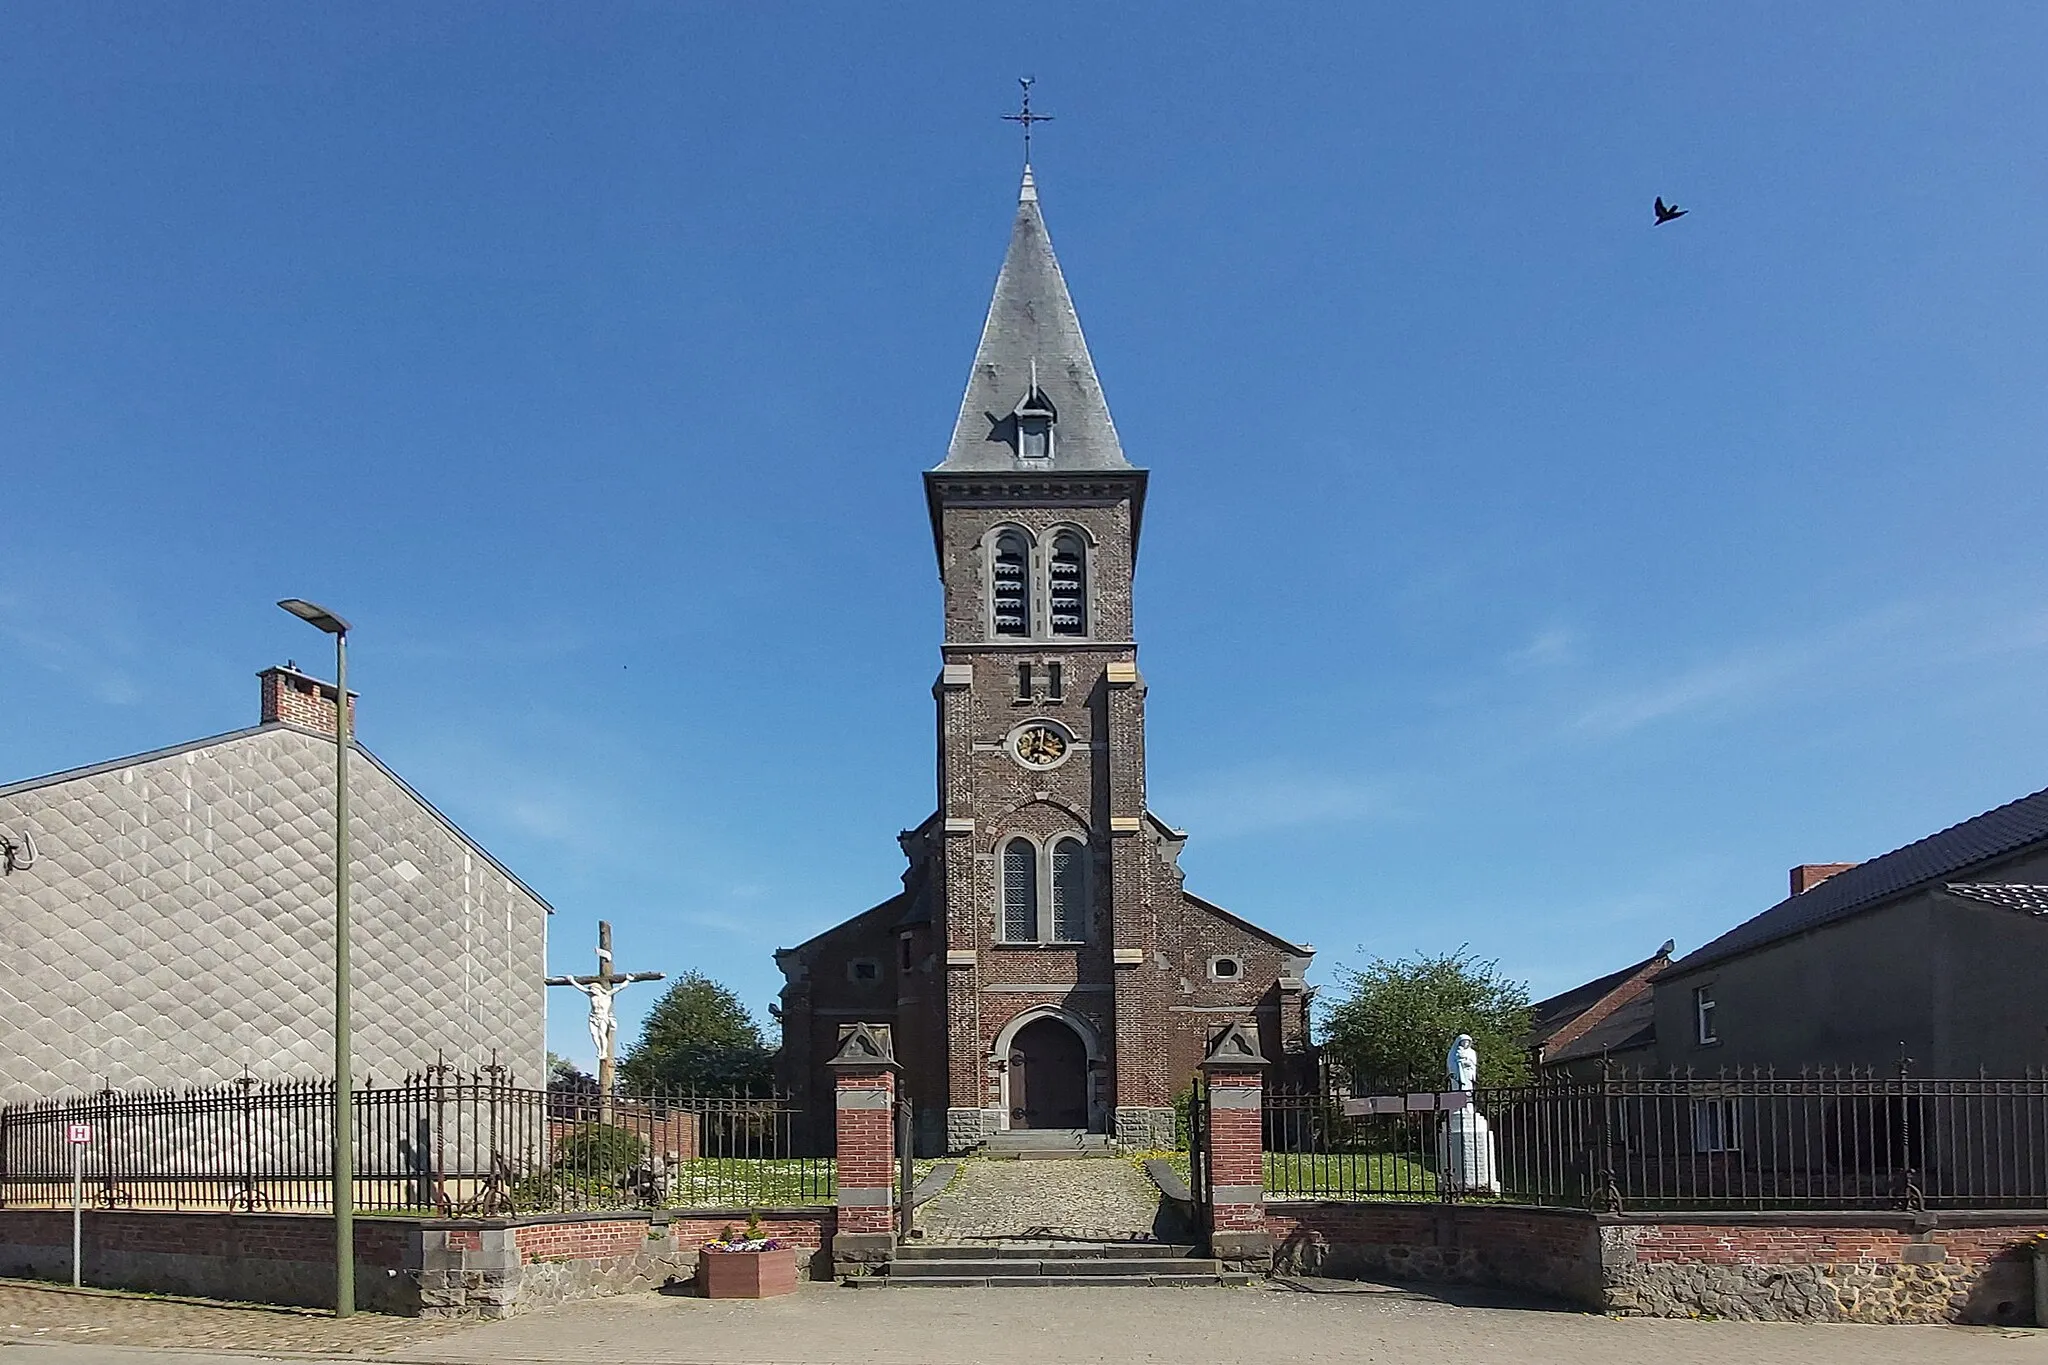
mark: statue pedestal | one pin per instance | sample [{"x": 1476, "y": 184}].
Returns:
[{"x": 1465, "y": 1156}]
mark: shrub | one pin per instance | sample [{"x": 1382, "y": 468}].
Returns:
[{"x": 599, "y": 1151}]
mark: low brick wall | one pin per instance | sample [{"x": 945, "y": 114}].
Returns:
[
  {"x": 456, "y": 1268},
  {"x": 283, "y": 1258},
  {"x": 1804, "y": 1267},
  {"x": 1553, "y": 1252}
]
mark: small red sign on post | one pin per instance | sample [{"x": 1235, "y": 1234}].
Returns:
[{"x": 78, "y": 1134}]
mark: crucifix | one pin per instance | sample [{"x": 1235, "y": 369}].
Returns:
[
  {"x": 1026, "y": 117},
  {"x": 602, "y": 989}
]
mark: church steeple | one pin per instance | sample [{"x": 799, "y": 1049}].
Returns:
[{"x": 1033, "y": 400}]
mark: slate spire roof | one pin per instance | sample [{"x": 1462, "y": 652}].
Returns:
[{"x": 1031, "y": 346}]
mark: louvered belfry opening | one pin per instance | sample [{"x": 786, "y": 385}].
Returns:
[
  {"x": 1010, "y": 579},
  {"x": 1068, "y": 575}
]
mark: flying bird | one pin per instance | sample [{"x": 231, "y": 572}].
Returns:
[{"x": 1667, "y": 212}]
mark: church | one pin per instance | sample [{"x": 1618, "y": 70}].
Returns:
[{"x": 1043, "y": 968}]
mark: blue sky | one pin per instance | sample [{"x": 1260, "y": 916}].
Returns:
[{"x": 1515, "y": 574}]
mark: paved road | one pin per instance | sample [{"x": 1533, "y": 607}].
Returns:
[{"x": 827, "y": 1325}]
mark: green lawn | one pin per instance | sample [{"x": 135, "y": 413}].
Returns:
[
  {"x": 1348, "y": 1175},
  {"x": 747, "y": 1182},
  {"x": 1332, "y": 1175}
]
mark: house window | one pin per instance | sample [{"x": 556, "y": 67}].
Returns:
[
  {"x": 1716, "y": 1126},
  {"x": 1225, "y": 969},
  {"x": 1068, "y": 582},
  {"x": 1703, "y": 1015},
  {"x": 1069, "y": 891},
  {"x": 1020, "y": 891},
  {"x": 863, "y": 969},
  {"x": 903, "y": 948},
  {"x": 1009, "y": 585}
]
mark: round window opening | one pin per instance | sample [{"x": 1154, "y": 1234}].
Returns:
[{"x": 1226, "y": 969}]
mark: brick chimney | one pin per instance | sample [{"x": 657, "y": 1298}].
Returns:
[
  {"x": 300, "y": 699},
  {"x": 1807, "y": 876}
]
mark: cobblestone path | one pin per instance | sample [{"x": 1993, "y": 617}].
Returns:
[
  {"x": 1096, "y": 1200},
  {"x": 46, "y": 1315}
]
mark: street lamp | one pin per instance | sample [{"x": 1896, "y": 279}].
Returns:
[{"x": 344, "y": 1116}]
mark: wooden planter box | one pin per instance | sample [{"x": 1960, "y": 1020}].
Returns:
[{"x": 746, "y": 1274}]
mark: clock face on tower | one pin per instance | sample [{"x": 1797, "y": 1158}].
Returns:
[{"x": 1039, "y": 746}]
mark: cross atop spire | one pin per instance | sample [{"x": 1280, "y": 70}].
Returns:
[{"x": 1027, "y": 118}]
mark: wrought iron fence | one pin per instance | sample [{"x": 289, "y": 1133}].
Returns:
[
  {"x": 436, "y": 1143},
  {"x": 1742, "y": 1140}
]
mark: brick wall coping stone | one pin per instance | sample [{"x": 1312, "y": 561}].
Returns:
[
  {"x": 765, "y": 1212},
  {"x": 1913, "y": 1220}
]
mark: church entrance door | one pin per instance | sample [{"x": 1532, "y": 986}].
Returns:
[{"x": 1048, "y": 1077}]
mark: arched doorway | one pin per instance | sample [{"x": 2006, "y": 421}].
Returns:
[{"x": 1048, "y": 1076}]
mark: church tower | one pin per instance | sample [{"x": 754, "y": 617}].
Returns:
[
  {"x": 1049, "y": 970},
  {"x": 1041, "y": 708}
]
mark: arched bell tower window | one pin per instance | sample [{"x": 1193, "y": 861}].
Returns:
[
  {"x": 1067, "y": 581},
  {"x": 1010, "y": 584},
  {"x": 1035, "y": 418},
  {"x": 1020, "y": 891},
  {"x": 1069, "y": 891}
]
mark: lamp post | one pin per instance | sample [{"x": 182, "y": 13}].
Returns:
[{"x": 344, "y": 1116}]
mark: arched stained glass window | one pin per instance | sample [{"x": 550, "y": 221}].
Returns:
[
  {"x": 1067, "y": 576},
  {"x": 1020, "y": 891},
  {"x": 1069, "y": 891},
  {"x": 1010, "y": 584}
]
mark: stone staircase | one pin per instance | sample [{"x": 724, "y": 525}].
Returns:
[
  {"x": 1046, "y": 1144},
  {"x": 1003, "y": 1223},
  {"x": 1025, "y": 1265}
]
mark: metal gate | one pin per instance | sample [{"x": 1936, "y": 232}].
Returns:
[
  {"x": 906, "y": 1172},
  {"x": 1198, "y": 1154}
]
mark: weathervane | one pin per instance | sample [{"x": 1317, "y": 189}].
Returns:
[{"x": 1026, "y": 117}]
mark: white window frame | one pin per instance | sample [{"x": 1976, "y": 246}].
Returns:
[
  {"x": 1703, "y": 1007},
  {"x": 1716, "y": 1125}
]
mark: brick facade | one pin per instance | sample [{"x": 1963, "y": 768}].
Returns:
[{"x": 1138, "y": 983}]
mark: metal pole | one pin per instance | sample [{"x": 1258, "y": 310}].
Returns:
[
  {"x": 344, "y": 1116},
  {"x": 77, "y": 1209}
]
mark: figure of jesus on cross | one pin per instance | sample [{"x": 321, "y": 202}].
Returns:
[{"x": 602, "y": 989}]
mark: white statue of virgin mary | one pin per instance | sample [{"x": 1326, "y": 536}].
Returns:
[{"x": 1463, "y": 1063}]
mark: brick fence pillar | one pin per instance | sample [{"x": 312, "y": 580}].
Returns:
[
  {"x": 864, "y": 1071},
  {"x": 1233, "y": 1076}
]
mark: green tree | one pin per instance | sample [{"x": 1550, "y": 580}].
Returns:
[
  {"x": 1392, "y": 1023},
  {"x": 700, "y": 1037}
]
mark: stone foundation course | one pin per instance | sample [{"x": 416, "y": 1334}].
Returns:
[
  {"x": 430, "y": 1267},
  {"x": 1803, "y": 1267}
]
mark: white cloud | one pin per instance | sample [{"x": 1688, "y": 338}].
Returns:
[{"x": 1551, "y": 647}]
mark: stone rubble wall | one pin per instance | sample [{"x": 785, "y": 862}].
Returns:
[
  {"x": 1822, "y": 1269},
  {"x": 1805, "y": 1267}
]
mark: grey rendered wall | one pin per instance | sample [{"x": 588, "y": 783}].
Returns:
[
  {"x": 177, "y": 925},
  {"x": 1845, "y": 995},
  {"x": 1990, "y": 991}
]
